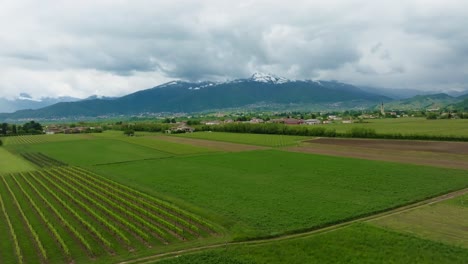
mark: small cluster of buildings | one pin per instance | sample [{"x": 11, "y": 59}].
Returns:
[
  {"x": 56, "y": 129},
  {"x": 286, "y": 121}
]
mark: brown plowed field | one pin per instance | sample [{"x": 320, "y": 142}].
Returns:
[
  {"x": 439, "y": 154},
  {"x": 215, "y": 145},
  {"x": 408, "y": 145}
]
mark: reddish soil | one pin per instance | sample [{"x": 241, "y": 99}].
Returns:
[
  {"x": 407, "y": 145},
  {"x": 439, "y": 154}
]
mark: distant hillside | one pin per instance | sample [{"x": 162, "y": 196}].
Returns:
[
  {"x": 25, "y": 102},
  {"x": 461, "y": 106},
  {"x": 179, "y": 96},
  {"x": 394, "y": 93},
  {"x": 423, "y": 102}
]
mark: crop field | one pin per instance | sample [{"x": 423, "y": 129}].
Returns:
[
  {"x": 270, "y": 192},
  {"x": 253, "y": 139},
  {"x": 405, "y": 126},
  {"x": 155, "y": 142},
  {"x": 358, "y": 243},
  {"x": 92, "y": 152},
  {"x": 445, "y": 222},
  {"x": 432, "y": 153},
  {"x": 12, "y": 163},
  {"x": 34, "y": 139},
  {"x": 69, "y": 215},
  {"x": 106, "y": 198}
]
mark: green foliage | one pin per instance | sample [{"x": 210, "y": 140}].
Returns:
[
  {"x": 270, "y": 128},
  {"x": 362, "y": 132},
  {"x": 129, "y": 132},
  {"x": 252, "y": 139},
  {"x": 96, "y": 151},
  {"x": 12, "y": 163},
  {"x": 72, "y": 216},
  {"x": 32, "y": 128},
  {"x": 266, "y": 193},
  {"x": 211, "y": 257},
  {"x": 1, "y": 142},
  {"x": 359, "y": 243},
  {"x": 431, "y": 116}
]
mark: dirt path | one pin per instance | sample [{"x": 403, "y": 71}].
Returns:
[
  {"x": 152, "y": 259},
  {"x": 396, "y": 151},
  {"x": 215, "y": 145}
]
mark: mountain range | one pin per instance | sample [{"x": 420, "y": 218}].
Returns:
[
  {"x": 25, "y": 101},
  {"x": 260, "y": 91}
]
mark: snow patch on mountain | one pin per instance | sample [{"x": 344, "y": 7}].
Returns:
[{"x": 268, "y": 78}]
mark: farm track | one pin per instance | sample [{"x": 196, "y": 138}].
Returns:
[{"x": 405, "y": 208}]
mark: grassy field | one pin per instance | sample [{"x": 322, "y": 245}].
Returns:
[
  {"x": 449, "y": 127},
  {"x": 12, "y": 163},
  {"x": 92, "y": 152},
  {"x": 264, "y": 193},
  {"x": 151, "y": 140},
  {"x": 34, "y": 139},
  {"x": 59, "y": 213},
  {"x": 252, "y": 139},
  {"x": 359, "y": 243},
  {"x": 446, "y": 222},
  {"x": 68, "y": 215}
]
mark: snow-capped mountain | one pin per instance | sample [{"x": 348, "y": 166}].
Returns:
[
  {"x": 183, "y": 96},
  {"x": 267, "y": 78}
]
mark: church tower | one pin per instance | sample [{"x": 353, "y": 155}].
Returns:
[{"x": 382, "y": 110}]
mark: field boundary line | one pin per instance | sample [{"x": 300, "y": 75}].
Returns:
[{"x": 333, "y": 227}]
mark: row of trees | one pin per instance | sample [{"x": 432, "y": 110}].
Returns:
[
  {"x": 31, "y": 128},
  {"x": 354, "y": 132}
]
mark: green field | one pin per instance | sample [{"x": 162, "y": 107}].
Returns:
[
  {"x": 359, "y": 243},
  {"x": 12, "y": 163},
  {"x": 92, "y": 152},
  {"x": 264, "y": 193},
  {"x": 446, "y": 222},
  {"x": 406, "y": 126},
  {"x": 42, "y": 138},
  {"x": 105, "y": 198},
  {"x": 152, "y": 140},
  {"x": 68, "y": 215},
  {"x": 251, "y": 139}
]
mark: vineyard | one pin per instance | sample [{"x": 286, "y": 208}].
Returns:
[
  {"x": 66, "y": 214},
  {"x": 35, "y": 139}
]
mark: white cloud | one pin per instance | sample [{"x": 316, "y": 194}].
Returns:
[{"x": 79, "y": 48}]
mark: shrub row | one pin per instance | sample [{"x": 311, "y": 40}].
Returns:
[{"x": 314, "y": 131}]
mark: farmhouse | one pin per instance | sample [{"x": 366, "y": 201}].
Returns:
[
  {"x": 312, "y": 122},
  {"x": 180, "y": 129},
  {"x": 293, "y": 121},
  {"x": 256, "y": 121}
]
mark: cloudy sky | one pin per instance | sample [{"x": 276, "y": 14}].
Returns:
[{"x": 114, "y": 47}]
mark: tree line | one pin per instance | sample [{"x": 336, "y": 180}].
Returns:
[{"x": 30, "y": 128}]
